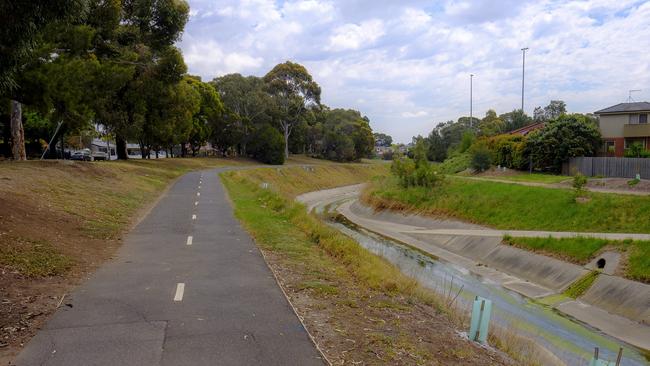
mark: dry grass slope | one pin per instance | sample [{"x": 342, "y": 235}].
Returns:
[{"x": 360, "y": 307}]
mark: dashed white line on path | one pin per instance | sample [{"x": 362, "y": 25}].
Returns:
[
  {"x": 198, "y": 193},
  {"x": 180, "y": 289},
  {"x": 193, "y": 217},
  {"x": 189, "y": 240},
  {"x": 196, "y": 203}
]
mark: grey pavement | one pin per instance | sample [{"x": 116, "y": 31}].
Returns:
[{"x": 164, "y": 302}]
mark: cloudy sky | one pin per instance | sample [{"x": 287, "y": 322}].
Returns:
[{"x": 406, "y": 64}]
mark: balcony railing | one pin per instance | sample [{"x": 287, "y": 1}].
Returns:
[{"x": 636, "y": 130}]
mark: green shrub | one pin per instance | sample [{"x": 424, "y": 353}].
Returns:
[
  {"x": 466, "y": 141},
  {"x": 481, "y": 157},
  {"x": 267, "y": 145},
  {"x": 635, "y": 150},
  {"x": 579, "y": 181},
  {"x": 455, "y": 163},
  {"x": 567, "y": 136},
  {"x": 509, "y": 151},
  {"x": 410, "y": 174}
]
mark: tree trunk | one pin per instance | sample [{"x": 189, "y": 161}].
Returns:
[
  {"x": 120, "y": 146},
  {"x": 62, "y": 146},
  {"x": 285, "y": 128},
  {"x": 17, "y": 131},
  {"x": 143, "y": 150}
]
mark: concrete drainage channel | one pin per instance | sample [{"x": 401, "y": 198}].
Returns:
[{"x": 523, "y": 286}]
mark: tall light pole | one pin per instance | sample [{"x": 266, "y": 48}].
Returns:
[
  {"x": 523, "y": 74},
  {"x": 471, "y": 82}
]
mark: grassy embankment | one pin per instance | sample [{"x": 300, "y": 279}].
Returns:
[
  {"x": 375, "y": 311},
  {"x": 45, "y": 204},
  {"x": 517, "y": 207},
  {"x": 59, "y": 221}
]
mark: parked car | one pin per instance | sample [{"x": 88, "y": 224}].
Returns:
[
  {"x": 99, "y": 155},
  {"x": 83, "y": 155}
]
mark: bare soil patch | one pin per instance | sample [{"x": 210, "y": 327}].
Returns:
[
  {"x": 357, "y": 326},
  {"x": 620, "y": 184}
]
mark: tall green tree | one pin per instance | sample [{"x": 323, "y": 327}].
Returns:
[
  {"x": 382, "y": 139},
  {"x": 515, "y": 119},
  {"x": 209, "y": 114},
  {"x": 349, "y": 124},
  {"x": 491, "y": 124},
  {"x": 138, "y": 35},
  {"x": 22, "y": 24},
  {"x": 249, "y": 103},
  {"x": 293, "y": 91}
]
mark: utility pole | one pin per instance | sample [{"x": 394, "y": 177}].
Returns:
[
  {"x": 471, "y": 101},
  {"x": 523, "y": 74}
]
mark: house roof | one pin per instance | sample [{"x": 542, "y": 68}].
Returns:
[
  {"x": 626, "y": 108},
  {"x": 527, "y": 129}
]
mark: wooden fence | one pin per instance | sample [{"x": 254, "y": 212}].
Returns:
[{"x": 608, "y": 167}]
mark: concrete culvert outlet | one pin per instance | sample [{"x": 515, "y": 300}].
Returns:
[{"x": 601, "y": 263}]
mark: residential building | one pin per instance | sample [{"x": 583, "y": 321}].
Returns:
[{"x": 623, "y": 125}]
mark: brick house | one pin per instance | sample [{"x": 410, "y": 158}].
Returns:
[{"x": 624, "y": 124}]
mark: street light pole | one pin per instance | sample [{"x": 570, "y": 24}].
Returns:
[
  {"x": 471, "y": 82},
  {"x": 523, "y": 74}
]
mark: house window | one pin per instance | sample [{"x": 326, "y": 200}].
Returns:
[
  {"x": 643, "y": 118},
  {"x": 630, "y": 142},
  {"x": 634, "y": 119},
  {"x": 610, "y": 147}
]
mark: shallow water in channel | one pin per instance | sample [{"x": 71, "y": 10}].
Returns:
[{"x": 567, "y": 339}]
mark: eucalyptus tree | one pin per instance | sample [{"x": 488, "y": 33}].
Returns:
[
  {"x": 293, "y": 90},
  {"x": 348, "y": 135},
  {"x": 22, "y": 24},
  {"x": 137, "y": 37},
  {"x": 248, "y": 104},
  {"x": 208, "y": 116}
]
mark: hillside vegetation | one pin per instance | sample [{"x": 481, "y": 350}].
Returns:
[
  {"x": 292, "y": 181},
  {"x": 372, "y": 310},
  {"x": 517, "y": 207}
]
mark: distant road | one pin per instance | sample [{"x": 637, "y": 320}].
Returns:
[{"x": 188, "y": 287}]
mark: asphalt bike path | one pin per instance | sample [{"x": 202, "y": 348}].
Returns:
[{"x": 187, "y": 287}]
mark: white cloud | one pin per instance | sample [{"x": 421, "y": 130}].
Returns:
[
  {"x": 415, "y": 19},
  {"x": 406, "y": 64},
  {"x": 354, "y": 36},
  {"x": 208, "y": 59},
  {"x": 414, "y": 114}
]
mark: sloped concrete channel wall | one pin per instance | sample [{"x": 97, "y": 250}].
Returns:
[
  {"x": 617, "y": 295},
  {"x": 548, "y": 272},
  {"x": 613, "y": 294}
]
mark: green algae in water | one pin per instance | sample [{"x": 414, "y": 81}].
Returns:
[{"x": 579, "y": 287}]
